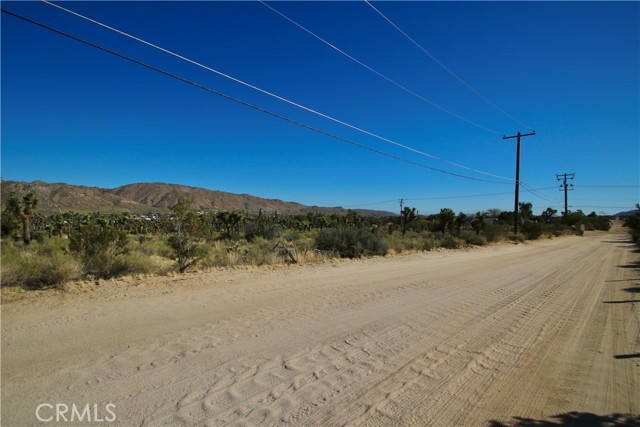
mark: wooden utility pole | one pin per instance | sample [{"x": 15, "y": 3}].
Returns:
[
  {"x": 515, "y": 209},
  {"x": 564, "y": 185}
]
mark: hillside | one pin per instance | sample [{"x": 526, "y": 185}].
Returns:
[
  {"x": 627, "y": 213},
  {"x": 151, "y": 197}
]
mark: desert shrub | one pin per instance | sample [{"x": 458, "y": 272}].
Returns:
[
  {"x": 260, "y": 252},
  {"x": 135, "y": 263},
  {"x": 471, "y": 238},
  {"x": 152, "y": 245},
  {"x": 493, "y": 232},
  {"x": 532, "y": 230},
  {"x": 633, "y": 223},
  {"x": 260, "y": 228},
  {"x": 351, "y": 242},
  {"x": 39, "y": 265},
  {"x": 184, "y": 241},
  {"x": 595, "y": 222},
  {"x": 98, "y": 246},
  {"x": 412, "y": 241},
  {"x": 450, "y": 242},
  {"x": 10, "y": 224},
  {"x": 226, "y": 254},
  {"x": 517, "y": 238}
]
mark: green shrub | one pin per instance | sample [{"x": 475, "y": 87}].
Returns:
[
  {"x": 532, "y": 230},
  {"x": 152, "y": 245},
  {"x": 260, "y": 228},
  {"x": 471, "y": 238},
  {"x": 450, "y": 242},
  {"x": 98, "y": 246},
  {"x": 633, "y": 223},
  {"x": 134, "y": 263},
  {"x": 493, "y": 232},
  {"x": 351, "y": 242},
  {"x": 184, "y": 241}
]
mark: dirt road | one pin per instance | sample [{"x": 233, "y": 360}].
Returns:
[{"x": 439, "y": 339}]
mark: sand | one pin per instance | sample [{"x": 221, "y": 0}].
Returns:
[{"x": 501, "y": 335}]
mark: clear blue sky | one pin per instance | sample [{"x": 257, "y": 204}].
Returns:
[{"x": 570, "y": 70}]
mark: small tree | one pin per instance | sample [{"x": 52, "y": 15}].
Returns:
[
  {"x": 478, "y": 222},
  {"x": 548, "y": 214},
  {"x": 184, "y": 242},
  {"x": 408, "y": 216},
  {"x": 461, "y": 222},
  {"x": 98, "y": 244},
  {"x": 526, "y": 211},
  {"x": 23, "y": 209},
  {"x": 446, "y": 219}
]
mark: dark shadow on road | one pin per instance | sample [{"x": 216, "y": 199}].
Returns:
[
  {"x": 622, "y": 302},
  {"x": 634, "y": 265},
  {"x": 632, "y": 290},
  {"x": 627, "y": 356},
  {"x": 573, "y": 419}
]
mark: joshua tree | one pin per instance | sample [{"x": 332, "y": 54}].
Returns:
[
  {"x": 526, "y": 210},
  {"x": 408, "y": 216},
  {"x": 23, "y": 209},
  {"x": 461, "y": 222},
  {"x": 547, "y": 214},
  {"x": 446, "y": 218}
]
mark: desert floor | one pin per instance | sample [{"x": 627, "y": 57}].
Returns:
[{"x": 501, "y": 335}]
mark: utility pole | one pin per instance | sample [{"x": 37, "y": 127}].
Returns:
[
  {"x": 564, "y": 185},
  {"x": 515, "y": 209}
]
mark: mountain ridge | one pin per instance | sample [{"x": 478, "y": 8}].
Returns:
[{"x": 146, "y": 197}]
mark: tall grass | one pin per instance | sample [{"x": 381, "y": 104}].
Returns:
[
  {"x": 351, "y": 242},
  {"x": 38, "y": 265}
]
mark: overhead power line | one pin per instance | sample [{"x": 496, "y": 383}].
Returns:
[
  {"x": 246, "y": 104},
  {"x": 608, "y": 186},
  {"x": 447, "y": 69},
  {"x": 468, "y": 196},
  {"x": 537, "y": 194},
  {"x": 288, "y": 101},
  {"x": 532, "y": 190},
  {"x": 379, "y": 74}
]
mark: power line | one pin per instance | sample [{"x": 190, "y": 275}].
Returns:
[
  {"x": 603, "y": 207},
  {"x": 608, "y": 186},
  {"x": 246, "y": 104},
  {"x": 535, "y": 193},
  {"x": 468, "y": 196},
  {"x": 457, "y": 77},
  {"x": 447, "y": 69},
  {"x": 390, "y": 141},
  {"x": 379, "y": 74}
]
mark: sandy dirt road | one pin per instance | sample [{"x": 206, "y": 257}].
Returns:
[{"x": 439, "y": 339}]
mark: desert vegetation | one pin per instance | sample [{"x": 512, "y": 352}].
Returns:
[
  {"x": 40, "y": 251},
  {"x": 633, "y": 223}
]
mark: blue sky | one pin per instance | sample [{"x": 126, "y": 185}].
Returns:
[{"x": 569, "y": 70}]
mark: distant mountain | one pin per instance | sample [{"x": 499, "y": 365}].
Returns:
[
  {"x": 627, "y": 213},
  {"x": 152, "y": 197}
]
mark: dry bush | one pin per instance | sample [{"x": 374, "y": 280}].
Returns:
[{"x": 38, "y": 265}]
